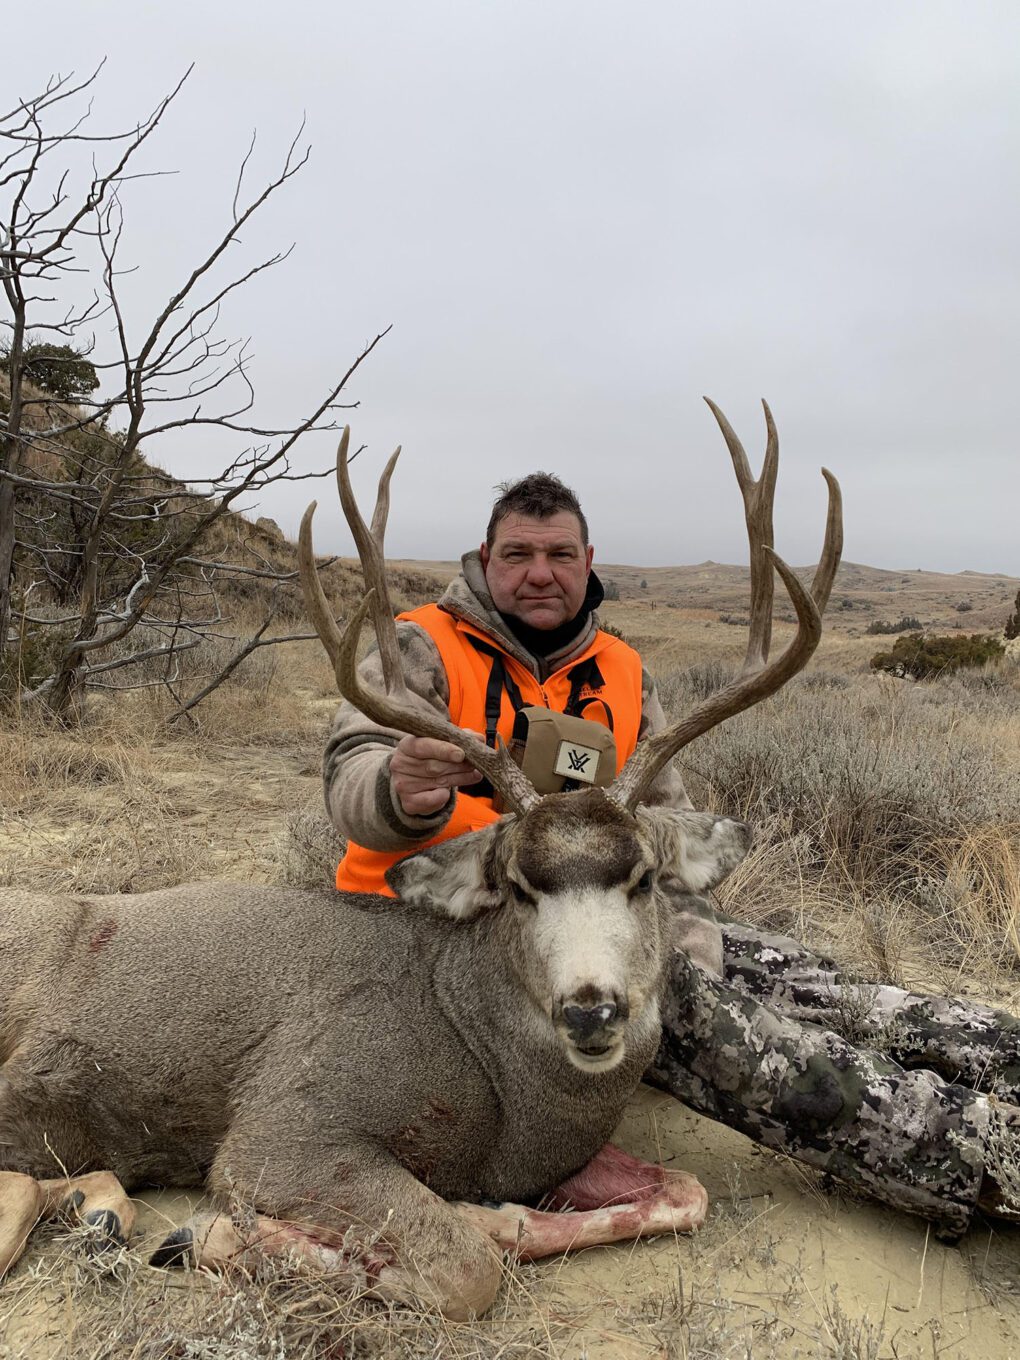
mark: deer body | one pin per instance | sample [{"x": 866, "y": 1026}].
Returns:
[
  {"x": 343, "y": 1062},
  {"x": 146, "y": 1033}
]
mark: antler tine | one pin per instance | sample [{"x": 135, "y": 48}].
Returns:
[
  {"x": 759, "y": 497},
  {"x": 756, "y": 680},
  {"x": 396, "y": 709},
  {"x": 382, "y": 500},
  {"x": 832, "y": 547},
  {"x": 316, "y": 604},
  {"x": 634, "y": 780},
  {"x": 369, "y": 543}
]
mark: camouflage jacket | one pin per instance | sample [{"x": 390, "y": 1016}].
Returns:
[{"x": 356, "y": 767}]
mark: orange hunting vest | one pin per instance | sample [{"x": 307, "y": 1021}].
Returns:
[{"x": 487, "y": 689}]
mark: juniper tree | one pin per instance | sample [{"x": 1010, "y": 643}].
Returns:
[{"x": 1012, "y": 628}]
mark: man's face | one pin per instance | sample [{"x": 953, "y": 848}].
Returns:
[{"x": 537, "y": 569}]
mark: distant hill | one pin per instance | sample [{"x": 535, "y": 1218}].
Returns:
[
  {"x": 860, "y": 594},
  {"x": 976, "y": 601}
]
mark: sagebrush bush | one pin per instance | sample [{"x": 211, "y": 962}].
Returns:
[
  {"x": 990, "y": 691},
  {"x": 311, "y": 847},
  {"x": 874, "y": 780},
  {"x": 824, "y": 680},
  {"x": 907, "y": 624},
  {"x": 692, "y": 684}
]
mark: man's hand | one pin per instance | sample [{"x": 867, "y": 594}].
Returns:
[{"x": 424, "y": 769}]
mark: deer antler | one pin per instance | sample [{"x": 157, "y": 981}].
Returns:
[
  {"x": 758, "y": 499},
  {"x": 757, "y": 680},
  {"x": 397, "y": 708}
]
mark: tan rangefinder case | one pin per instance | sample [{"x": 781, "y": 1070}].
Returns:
[{"x": 559, "y": 748}]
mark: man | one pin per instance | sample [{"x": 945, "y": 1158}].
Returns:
[
  {"x": 743, "y": 1036},
  {"x": 517, "y": 627}
]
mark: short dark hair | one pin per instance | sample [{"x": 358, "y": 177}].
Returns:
[{"x": 539, "y": 495}]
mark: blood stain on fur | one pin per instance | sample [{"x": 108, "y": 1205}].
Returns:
[{"x": 103, "y": 935}]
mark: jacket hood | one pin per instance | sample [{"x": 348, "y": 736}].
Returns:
[{"x": 467, "y": 597}]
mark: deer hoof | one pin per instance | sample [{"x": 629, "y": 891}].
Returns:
[
  {"x": 106, "y": 1232},
  {"x": 176, "y": 1252}
]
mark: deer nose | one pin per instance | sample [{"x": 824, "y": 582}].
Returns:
[{"x": 584, "y": 1021}]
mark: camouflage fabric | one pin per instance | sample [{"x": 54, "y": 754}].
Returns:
[
  {"x": 964, "y": 1042},
  {"x": 750, "y": 1050}
]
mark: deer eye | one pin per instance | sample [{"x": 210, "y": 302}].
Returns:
[
  {"x": 644, "y": 883},
  {"x": 521, "y": 896}
]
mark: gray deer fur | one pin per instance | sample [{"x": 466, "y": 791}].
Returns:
[{"x": 308, "y": 1049}]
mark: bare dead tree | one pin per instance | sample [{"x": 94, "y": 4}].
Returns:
[{"x": 86, "y": 523}]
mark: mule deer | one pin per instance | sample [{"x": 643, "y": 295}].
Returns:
[{"x": 406, "y": 1074}]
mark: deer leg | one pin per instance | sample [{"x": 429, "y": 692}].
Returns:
[
  {"x": 21, "y": 1204},
  {"x": 615, "y": 1198},
  {"x": 214, "y": 1240},
  {"x": 97, "y": 1200},
  {"x": 377, "y": 1223}
]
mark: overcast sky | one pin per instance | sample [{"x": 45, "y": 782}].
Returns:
[{"x": 580, "y": 217}]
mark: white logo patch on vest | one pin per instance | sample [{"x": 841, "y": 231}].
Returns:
[{"x": 577, "y": 762}]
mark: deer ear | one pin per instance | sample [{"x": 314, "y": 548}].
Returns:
[
  {"x": 454, "y": 878},
  {"x": 695, "y": 849}
]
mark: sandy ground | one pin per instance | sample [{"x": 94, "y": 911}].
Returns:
[{"x": 782, "y": 1268}]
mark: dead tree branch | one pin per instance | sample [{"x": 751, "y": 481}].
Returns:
[{"x": 117, "y": 543}]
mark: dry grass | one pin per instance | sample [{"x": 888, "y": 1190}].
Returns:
[
  {"x": 889, "y": 807},
  {"x": 70, "y": 1303},
  {"x": 126, "y": 803}
]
